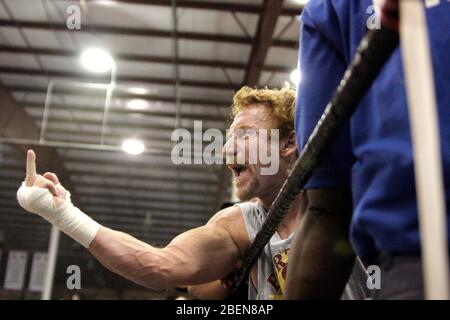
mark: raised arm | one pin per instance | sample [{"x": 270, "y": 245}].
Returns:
[{"x": 196, "y": 256}]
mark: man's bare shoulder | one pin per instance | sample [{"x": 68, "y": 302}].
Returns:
[
  {"x": 231, "y": 219},
  {"x": 231, "y": 213}
]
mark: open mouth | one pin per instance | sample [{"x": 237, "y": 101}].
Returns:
[{"x": 237, "y": 169}]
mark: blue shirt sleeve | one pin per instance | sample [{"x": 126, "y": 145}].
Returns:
[{"x": 322, "y": 64}]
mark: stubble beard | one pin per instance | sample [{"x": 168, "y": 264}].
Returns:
[{"x": 250, "y": 191}]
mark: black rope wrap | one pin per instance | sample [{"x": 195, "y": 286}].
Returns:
[{"x": 372, "y": 54}]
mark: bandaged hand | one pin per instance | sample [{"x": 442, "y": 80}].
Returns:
[{"x": 46, "y": 197}]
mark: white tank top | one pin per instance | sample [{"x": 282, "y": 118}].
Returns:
[{"x": 272, "y": 264}]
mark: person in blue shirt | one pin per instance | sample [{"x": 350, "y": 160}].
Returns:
[{"x": 365, "y": 186}]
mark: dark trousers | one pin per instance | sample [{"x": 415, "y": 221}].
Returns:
[{"x": 401, "y": 278}]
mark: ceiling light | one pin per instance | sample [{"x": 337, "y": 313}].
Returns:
[
  {"x": 97, "y": 60},
  {"x": 133, "y": 147},
  {"x": 105, "y": 2},
  {"x": 138, "y": 90},
  {"x": 302, "y": 2},
  {"x": 137, "y": 104},
  {"x": 296, "y": 76}
]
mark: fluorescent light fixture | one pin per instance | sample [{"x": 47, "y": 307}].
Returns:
[
  {"x": 105, "y": 2},
  {"x": 303, "y": 2},
  {"x": 138, "y": 90},
  {"x": 137, "y": 104},
  {"x": 97, "y": 60},
  {"x": 133, "y": 147},
  {"x": 296, "y": 76}
]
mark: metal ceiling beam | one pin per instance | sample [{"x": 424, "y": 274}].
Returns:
[
  {"x": 93, "y": 136},
  {"x": 21, "y": 220},
  {"x": 150, "y": 97},
  {"x": 90, "y": 77},
  {"x": 210, "y": 5},
  {"x": 15, "y": 213},
  {"x": 16, "y": 123},
  {"x": 142, "y": 58},
  {"x": 111, "y": 123},
  {"x": 96, "y": 135},
  {"x": 148, "y": 113},
  {"x": 138, "y": 164},
  {"x": 187, "y": 217},
  {"x": 162, "y": 185},
  {"x": 198, "y": 218},
  {"x": 139, "y": 193},
  {"x": 102, "y": 29},
  {"x": 142, "y": 165},
  {"x": 149, "y": 207},
  {"x": 96, "y": 201},
  {"x": 96, "y": 173},
  {"x": 136, "y": 177},
  {"x": 155, "y": 223},
  {"x": 66, "y": 246},
  {"x": 30, "y": 235},
  {"x": 66, "y": 249},
  {"x": 147, "y": 198},
  {"x": 16, "y": 225},
  {"x": 31, "y": 241},
  {"x": 158, "y": 211},
  {"x": 119, "y": 188},
  {"x": 262, "y": 41},
  {"x": 33, "y": 233},
  {"x": 148, "y": 230}
]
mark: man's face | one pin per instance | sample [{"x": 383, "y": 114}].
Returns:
[{"x": 244, "y": 135}]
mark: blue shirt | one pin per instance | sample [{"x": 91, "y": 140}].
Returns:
[{"x": 373, "y": 155}]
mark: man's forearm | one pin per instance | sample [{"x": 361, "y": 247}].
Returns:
[
  {"x": 321, "y": 258},
  {"x": 197, "y": 256},
  {"x": 132, "y": 259}
]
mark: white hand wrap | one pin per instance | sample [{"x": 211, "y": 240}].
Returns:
[{"x": 65, "y": 216}]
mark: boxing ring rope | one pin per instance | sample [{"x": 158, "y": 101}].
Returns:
[{"x": 373, "y": 52}]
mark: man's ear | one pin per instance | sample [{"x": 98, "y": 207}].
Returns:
[{"x": 288, "y": 145}]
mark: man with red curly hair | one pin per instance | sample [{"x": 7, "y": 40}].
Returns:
[{"x": 212, "y": 251}]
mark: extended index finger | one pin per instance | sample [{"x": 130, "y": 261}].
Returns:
[{"x": 31, "y": 168}]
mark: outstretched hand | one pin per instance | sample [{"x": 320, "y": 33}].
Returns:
[
  {"x": 47, "y": 181},
  {"x": 46, "y": 197}
]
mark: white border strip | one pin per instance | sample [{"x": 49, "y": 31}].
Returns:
[{"x": 426, "y": 147}]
